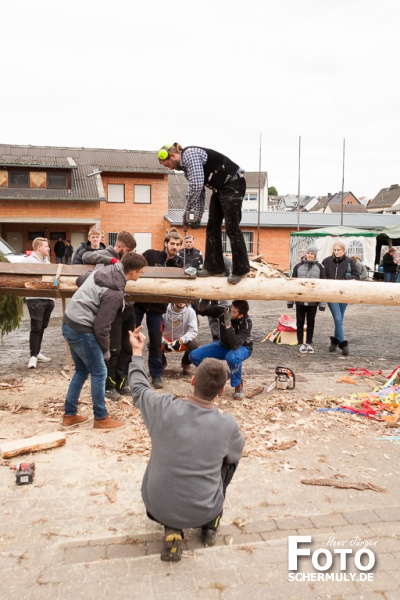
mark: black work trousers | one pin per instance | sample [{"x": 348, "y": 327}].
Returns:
[
  {"x": 227, "y": 472},
  {"x": 304, "y": 312},
  {"x": 40, "y": 310},
  {"x": 226, "y": 204},
  {"x": 120, "y": 348}
]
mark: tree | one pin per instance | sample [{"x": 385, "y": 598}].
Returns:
[
  {"x": 272, "y": 191},
  {"x": 11, "y": 310}
]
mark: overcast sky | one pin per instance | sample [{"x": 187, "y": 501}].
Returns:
[{"x": 216, "y": 73}]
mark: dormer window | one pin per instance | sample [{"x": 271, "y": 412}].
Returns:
[
  {"x": 18, "y": 179},
  {"x": 57, "y": 181}
]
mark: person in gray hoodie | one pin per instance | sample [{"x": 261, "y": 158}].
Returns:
[
  {"x": 308, "y": 268},
  {"x": 86, "y": 328},
  {"x": 195, "y": 449}
]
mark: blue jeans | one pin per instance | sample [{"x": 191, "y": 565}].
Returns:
[
  {"x": 154, "y": 328},
  {"x": 389, "y": 277},
  {"x": 338, "y": 311},
  {"x": 88, "y": 359},
  {"x": 234, "y": 358}
]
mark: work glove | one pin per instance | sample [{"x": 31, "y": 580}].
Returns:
[
  {"x": 290, "y": 304},
  {"x": 107, "y": 356},
  {"x": 166, "y": 347},
  {"x": 177, "y": 345},
  {"x": 227, "y": 316},
  {"x": 321, "y": 307},
  {"x": 114, "y": 261}
]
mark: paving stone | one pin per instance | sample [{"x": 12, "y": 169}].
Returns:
[
  {"x": 293, "y": 524},
  {"x": 328, "y": 521},
  {"x": 362, "y": 516}
]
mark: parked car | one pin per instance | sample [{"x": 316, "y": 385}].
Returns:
[{"x": 9, "y": 252}]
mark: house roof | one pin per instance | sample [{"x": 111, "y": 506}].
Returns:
[
  {"x": 82, "y": 162},
  {"x": 385, "y": 198},
  {"x": 307, "y": 219},
  {"x": 348, "y": 208},
  {"x": 332, "y": 200}
]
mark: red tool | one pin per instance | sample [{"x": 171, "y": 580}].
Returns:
[{"x": 25, "y": 473}]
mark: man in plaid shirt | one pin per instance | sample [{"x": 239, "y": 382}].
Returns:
[{"x": 205, "y": 167}]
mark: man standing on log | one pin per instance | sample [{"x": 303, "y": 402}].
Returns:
[
  {"x": 40, "y": 309},
  {"x": 205, "y": 167}
]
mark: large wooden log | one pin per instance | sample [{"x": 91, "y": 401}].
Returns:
[{"x": 171, "y": 283}]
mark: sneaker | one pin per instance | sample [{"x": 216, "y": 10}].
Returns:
[
  {"x": 206, "y": 273},
  {"x": 125, "y": 390},
  {"x": 186, "y": 370},
  {"x": 73, "y": 421},
  {"x": 32, "y": 362},
  {"x": 172, "y": 546},
  {"x": 113, "y": 395},
  {"x": 208, "y": 537},
  {"x": 107, "y": 423},
  {"x": 42, "y": 358},
  {"x": 235, "y": 278},
  {"x": 303, "y": 349},
  {"x": 239, "y": 393},
  {"x": 157, "y": 383},
  {"x": 310, "y": 349}
]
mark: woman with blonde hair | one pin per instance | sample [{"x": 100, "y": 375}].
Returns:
[{"x": 339, "y": 266}]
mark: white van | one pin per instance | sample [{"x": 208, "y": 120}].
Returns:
[{"x": 9, "y": 253}]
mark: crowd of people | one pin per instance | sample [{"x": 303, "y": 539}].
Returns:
[{"x": 195, "y": 447}]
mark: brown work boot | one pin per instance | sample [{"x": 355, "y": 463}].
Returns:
[
  {"x": 72, "y": 420},
  {"x": 107, "y": 423}
]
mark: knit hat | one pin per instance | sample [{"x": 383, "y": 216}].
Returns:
[{"x": 312, "y": 249}]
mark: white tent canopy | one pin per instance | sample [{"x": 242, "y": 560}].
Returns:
[{"x": 359, "y": 242}]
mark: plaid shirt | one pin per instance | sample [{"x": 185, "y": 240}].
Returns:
[{"x": 192, "y": 163}]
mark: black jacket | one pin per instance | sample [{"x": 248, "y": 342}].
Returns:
[
  {"x": 158, "y": 258},
  {"x": 192, "y": 257},
  {"x": 340, "y": 268},
  {"x": 84, "y": 247}
]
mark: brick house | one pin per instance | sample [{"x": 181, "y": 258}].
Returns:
[{"x": 52, "y": 192}]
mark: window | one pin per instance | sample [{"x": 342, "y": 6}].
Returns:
[
  {"x": 116, "y": 192},
  {"x": 355, "y": 248},
  {"x": 34, "y": 234},
  {"x": 248, "y": 238},
  {"x": 57, "y": 181},
  {"x": 18, "y": 179},
  {"x": 142, "y": 194},
  {"x": 250, "y": 197},
  {"x": 112, "y": 238}
]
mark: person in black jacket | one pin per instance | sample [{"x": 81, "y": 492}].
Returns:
[
  {"x": 235, "y": 344},
  {"x": 389, "y": 265},
  {"x": 93, "y": 243},
  {"x": 168, "y": 257},
  {"x": 308, "y": 268},
  {"x": 205, "y": 167},
  {"x": 339, "y": 266},
  {"x": 191, "y": 256}
]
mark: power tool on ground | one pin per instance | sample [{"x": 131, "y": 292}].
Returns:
[
  {"x": 25, "y": 472},
  {"x": 285, "y": 379}
]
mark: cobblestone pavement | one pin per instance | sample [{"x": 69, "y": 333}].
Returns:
[{"x": 80, "y": 530}]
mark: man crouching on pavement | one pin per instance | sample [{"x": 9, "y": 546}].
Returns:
[{"x": 195, "y": 451}]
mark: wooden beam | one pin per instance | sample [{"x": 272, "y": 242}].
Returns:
[
  {"x": 172, "y": 283},
  {"x": 32, "y": 444}
]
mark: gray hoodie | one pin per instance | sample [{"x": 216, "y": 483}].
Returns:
[
  {"x": 94, "y": 306},
  {"x": 190, "y": 440}
]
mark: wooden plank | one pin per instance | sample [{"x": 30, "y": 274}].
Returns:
[{"x": 32, "y": 444}]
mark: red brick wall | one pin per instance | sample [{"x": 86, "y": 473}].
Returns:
[{"x": 137, "y": 217}]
